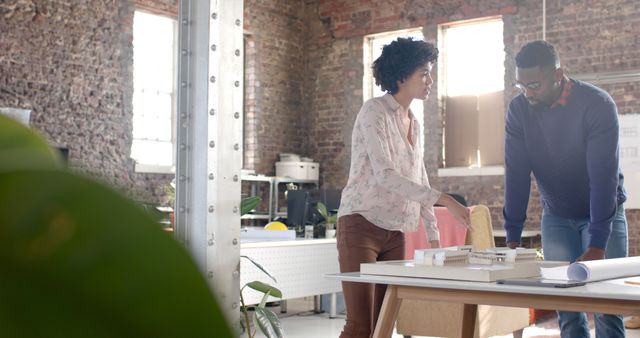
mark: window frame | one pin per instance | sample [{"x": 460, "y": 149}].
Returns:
[
  {"x": 443, "y": 171},
  {"x": 141, "y": 167}
]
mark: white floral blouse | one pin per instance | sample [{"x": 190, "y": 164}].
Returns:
[{"x": 388, "y": 183}]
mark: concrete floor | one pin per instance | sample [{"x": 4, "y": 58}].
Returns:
[{"x": 301, "y": 322}]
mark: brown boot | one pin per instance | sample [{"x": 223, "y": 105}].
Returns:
[{"x": 632, "y": 323}]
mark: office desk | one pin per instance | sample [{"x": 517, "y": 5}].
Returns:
[
  {"x": 612, "y": 296},
  {"x": 298, "y": 265}
]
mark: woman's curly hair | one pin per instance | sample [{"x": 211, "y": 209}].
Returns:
[{"x": 399, "y": 60}]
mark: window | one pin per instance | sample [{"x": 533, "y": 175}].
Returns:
[
  {"x": 154, "y": 99},
  {"x": 471, "y": 93},
  {"x": 372, "y": 49}
]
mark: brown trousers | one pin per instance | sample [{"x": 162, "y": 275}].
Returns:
[{"x": 360, "y": 241}]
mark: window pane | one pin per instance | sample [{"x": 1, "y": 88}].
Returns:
[
  {"x": 153, "y": 44},
  {"x": 474, "y": 58},
  {"x": 472, "y": 82},
  {"x": 152, "y": 152},
  {"x": 152, "y": 120},
  {"x": 154, "y": 74}
]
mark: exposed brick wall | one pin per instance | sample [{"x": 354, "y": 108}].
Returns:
[
  {"x": 71, "y": 63},
  {"x": 590, "y": 36},
  {"x": 333, "y": 95},
  {"x": 277, "y": 31}
]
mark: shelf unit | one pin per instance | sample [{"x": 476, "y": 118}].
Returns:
[
  {"x": 274, "y": 183},
  {"x": 255, "y": 180},
  {"x": 277, "y": 181}
]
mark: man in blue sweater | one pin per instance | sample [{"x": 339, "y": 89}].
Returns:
[{"x": 565, "y": 132}]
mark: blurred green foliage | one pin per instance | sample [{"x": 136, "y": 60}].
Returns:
[{"x": 78, "y": 259}]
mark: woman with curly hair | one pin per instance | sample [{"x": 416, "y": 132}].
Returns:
[{"x": 388, "y": 189}]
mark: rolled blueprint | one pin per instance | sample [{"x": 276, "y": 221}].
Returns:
[{"x": 590, "y": 271}]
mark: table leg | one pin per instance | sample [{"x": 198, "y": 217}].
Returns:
[
  {"x": 469, "y": 314},
  {"x": 388, "y": 313},
  {"x": 317, "y": 304},
  {"x": 332, "y": 307}
]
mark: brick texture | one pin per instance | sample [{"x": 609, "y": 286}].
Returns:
[
  {"x": 274, "y": 102},
  {"x": 70, "y": 62}
]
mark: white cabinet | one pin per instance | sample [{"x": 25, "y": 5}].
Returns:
[
  {"x": 299, "y": 267},
  {"x": 298, "y": 170}
]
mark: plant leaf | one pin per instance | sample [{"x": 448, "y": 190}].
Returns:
[
  {"x": 268, "y": 323},
  {"x": 248, "y": 204},
  {"x": 21, "y": 148},
  {"x": 260, "y": 267},
  {"x": 263, "y": 301},
  {"x": 265, "y": 288},
  {"x": 322, "y": 209},
  {"x": 77, "y": 259}
]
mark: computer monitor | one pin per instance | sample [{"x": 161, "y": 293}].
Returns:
[{"x": 301, "y": 205}]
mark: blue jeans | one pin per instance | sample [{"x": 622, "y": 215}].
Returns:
[{"x": 566, "y": 239}]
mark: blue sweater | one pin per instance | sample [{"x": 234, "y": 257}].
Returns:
[{"x": 572, "y": 151}]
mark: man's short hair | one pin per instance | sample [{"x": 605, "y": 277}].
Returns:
[
  {"x": 399, "y": 60},
  {"x": 537, "y": 54}
]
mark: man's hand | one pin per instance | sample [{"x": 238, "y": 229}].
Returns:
[
  {"x": 513, "y": 244},
  {"x": 434, "y": 244},
  {"x": 592, "y": 254}
]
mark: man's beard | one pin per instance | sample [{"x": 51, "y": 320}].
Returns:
[{"x": 538, "y": 106}]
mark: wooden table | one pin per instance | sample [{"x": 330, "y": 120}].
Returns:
[{"x": 611, "y": 296}]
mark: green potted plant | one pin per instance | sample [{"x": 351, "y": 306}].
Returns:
[{"x": 330, "y": 219}]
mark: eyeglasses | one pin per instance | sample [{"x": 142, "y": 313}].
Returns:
[{"x": 533, "y": 85}]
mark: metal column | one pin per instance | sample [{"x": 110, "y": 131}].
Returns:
[{"x": 209, "y": 154}]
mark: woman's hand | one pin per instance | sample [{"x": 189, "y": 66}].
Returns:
[{"x": 459, "y": 211}]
